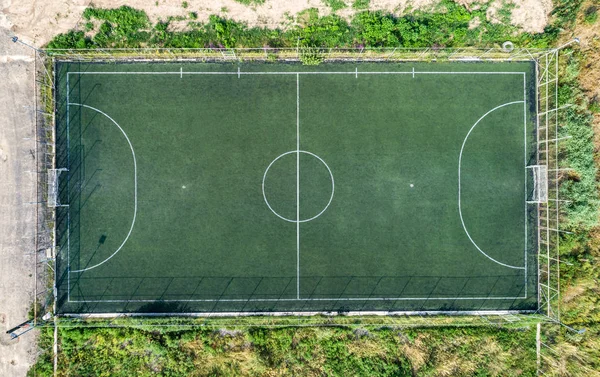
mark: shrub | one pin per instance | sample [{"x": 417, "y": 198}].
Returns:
[
  {"x": 311, "y": 56},
  {"x": 251, "y": 2},
  {"x": 335, "y": 5},
  {"x": 591, "y": 14},
  {"x": 361, "y": 4}
]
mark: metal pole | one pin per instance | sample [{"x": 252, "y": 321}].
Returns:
[
  {"x": 16, "y": 39},
  {"x": 574, "y": 40}
]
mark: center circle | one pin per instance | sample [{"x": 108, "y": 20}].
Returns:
[{"x": 298, "y": 186}]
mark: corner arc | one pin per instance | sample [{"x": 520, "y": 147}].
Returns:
[
  {"x": 134, "y": 185},
  {"x": 459, "y": 192}
]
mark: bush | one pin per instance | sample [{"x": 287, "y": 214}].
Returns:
[
  {"x": 251, "y": 2},
  {"x": 311, "y": 56},
  {"x": 71, "y": 39},
  {"x": 361, "y": 4},
  {"x": 335, "y": 5},
  {"x": 591, "y": 14}
]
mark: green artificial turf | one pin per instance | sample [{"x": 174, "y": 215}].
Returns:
[{"x": 374, "y": 184}]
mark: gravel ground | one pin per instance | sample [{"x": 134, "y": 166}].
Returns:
[{"x": 17, "y": 216}]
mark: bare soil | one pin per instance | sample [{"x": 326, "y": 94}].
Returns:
[{"x": 17, "y": 217}]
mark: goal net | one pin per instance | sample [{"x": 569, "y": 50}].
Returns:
[
  {"x": 540, "y": 184},
  {"x": 53, "y": 174}
]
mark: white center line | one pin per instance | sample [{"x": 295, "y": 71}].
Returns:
[{"x": 298, "y": 186}]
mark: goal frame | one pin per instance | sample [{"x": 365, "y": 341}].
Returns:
[{"x": 540, "y": 184}]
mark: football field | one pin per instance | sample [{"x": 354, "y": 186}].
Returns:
[{"x": 277, "y": 187}]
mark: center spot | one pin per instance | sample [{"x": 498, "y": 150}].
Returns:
[{"x": 298, "y": 177}]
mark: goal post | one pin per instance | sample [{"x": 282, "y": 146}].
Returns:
[
  {"x": 539, "y": 174},
  {"x": 53, "y": 199}
]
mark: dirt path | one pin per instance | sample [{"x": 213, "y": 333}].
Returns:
[{"x": 17, "y": 188}]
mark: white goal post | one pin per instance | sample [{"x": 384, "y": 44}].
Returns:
[
  {"x": 540, "y": 184},
  {"x": 53, "y": 200}
]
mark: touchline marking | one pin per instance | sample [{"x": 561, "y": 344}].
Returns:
[
  {"x": 68, "y": 197},
  {"x": 134, "y": 185},
  {"x": 315, "y": 299},
  {"x": 525, "y": 170},
  {"x": 297, "y": 217},
  {"x": 297, "y": 186},
  {"x": 459, "y": 199},
  {"x": 297, "y": 73}
]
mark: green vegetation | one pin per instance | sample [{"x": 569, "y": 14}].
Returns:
[
  {"x": 184, "y": 4},
  {"x": 311, "y": 56},
  {"x": 591, "y": 14},
  {"x": 447, "y": 26},
  {"x": 581, "y": 187},
  {"x": 325, "y": 351},
  {"x": 251, "y": 2},
  {"x": 361, "y": 4},
  {"x": 578, "y": 354},
  {"x": 505, "y": 12},
  {"x": 335, "y": 5}
]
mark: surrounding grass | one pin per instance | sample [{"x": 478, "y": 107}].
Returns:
[
  {"x": 325, "y": 351},
  {"x": 572, "y": 354},
  {"x": 581, "y": 186}
]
